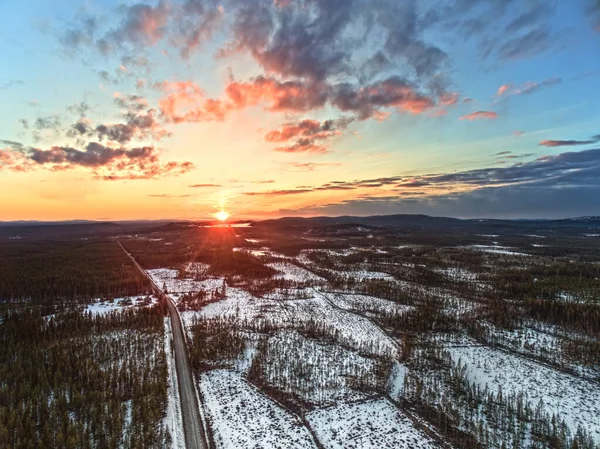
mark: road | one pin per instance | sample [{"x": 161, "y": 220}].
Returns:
[{"x": 193, "y": 429}]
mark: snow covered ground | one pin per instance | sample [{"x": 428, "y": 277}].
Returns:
[
  {"x": 364, "y": 303},
  {"x": 173, "y": 420},
  {"x": 101, "y": 307},
  {"x": 319, "y": 373},
  {"x": 372, "y": 424},
  {"x": 575, "y": 400},
  {"x": 291, "y": 272},
  {"x": 396, "y": 381},
  {"x": 241, "y": 417},
  {"x": 496, "y": 249},
  {"x": 345, "y": 327},
  {"x": 168, "y": 278},
  {"x": 459, "y": 274}
]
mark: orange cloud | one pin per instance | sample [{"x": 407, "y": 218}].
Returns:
[{"x": 185, "y": 101}]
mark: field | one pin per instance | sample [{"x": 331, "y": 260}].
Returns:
[
  {"x": 326, "y": 335},
  {"x": 241, "y": 417},
  {"x": 370, "y": 425}
]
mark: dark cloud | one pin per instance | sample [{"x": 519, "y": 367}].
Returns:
[
  {"x": 140, "y": 123},
  {"x": 527, "y": 45},
  {"x": 307, "y": 133},
  {"x": 104, "y": 162},
  {"x": 502, "y": 202},
  {"x": 569, "y": 143},
  {"x": 368, "y": 101},
  {"x": 303, "y": 145},
  {"x": 567, "y": 184},
  {"x": 359, "y": 55},
  {"x": 562, "y": 170},
  {"x": 50, "y": 122}
]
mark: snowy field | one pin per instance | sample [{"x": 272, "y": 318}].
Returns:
[
  {"x": 291, "y": 272},
  {"x": 364, "y": 303},
  {"x": 575, "y": 400},
  {"x": 319, "y": 373},
  {"x": 458, "y": 274},
  {"x": 168, "y": 278},
  {"x": 346, "y": 328},
  {"x": 373, "y": 424},
  {"x": 241, "y": 417},
  {"x": 496, "y": 249},
  {"x": 101, "y": 307}
]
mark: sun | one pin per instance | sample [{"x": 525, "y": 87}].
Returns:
[{"x": 222, "y": 215}]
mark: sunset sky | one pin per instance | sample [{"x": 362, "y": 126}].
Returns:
[{"x": 178, "y": 109}]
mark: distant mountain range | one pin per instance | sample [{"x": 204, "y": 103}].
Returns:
[{"x": 428, "y": 222}]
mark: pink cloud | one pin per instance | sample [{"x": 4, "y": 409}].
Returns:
[
  {"x": 503, "y": 89},
  {"x": 486, "y": 115}
]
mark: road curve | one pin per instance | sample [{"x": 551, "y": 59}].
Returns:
[{"x": 193, "y": 429}]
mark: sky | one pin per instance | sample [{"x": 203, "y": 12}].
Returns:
[{"x": 181, "y": 109}]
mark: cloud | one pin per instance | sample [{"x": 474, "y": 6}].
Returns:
[
  {"x": 568, "y": 143},
  {"x": 10, "y": 83},
  {"x": 563, "y": 184},
  {"x": 310, "y": 166},
  {"x": 488, "y": 115},
  {"x": 140, "y": 123},
  {"x": 104, "y": 162},
  {"x": 526, "y": 88},
  {"x": 503, "y": 89},
  {"x": 565, "y": 169},
  {"x": 279, "y": 192},
  {"x": 143, "y": 25},
  {"x": 186, "y": 102},
  {"x": 169, "y": 196},
  {"x": 525, "y": 46},
  {"x": 303, "y": 145},
  {"x": 359, "y": 56},
  {"x": 307, "y": 133},
  {"x": 368, "y": 101},
  {"x": 205, "y": 186}
]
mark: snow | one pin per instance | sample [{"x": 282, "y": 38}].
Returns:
[
  {"x": 458, "y": 274},
  {"x": 168, "y": 277},
  {"x": 173, "y": 419},
  {"x": 102, "y": 307},
  {"x": 347, "y": 328},
  {"x": 495, "y": 249},
  {"x": 396, "y": 381},
  {"x": 372, "y": 424},
  {"x": 365, "y": 303},
  {"x": 365, "y": 275},
  {"x": 317, "y": 372},
  {"x": 575, "y": 400},
  {"x": 241, "y": 417},
  {"x": 291, "y": 272}
]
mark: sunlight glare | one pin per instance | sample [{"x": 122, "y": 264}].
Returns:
[{"x": 222, "y": 215}]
